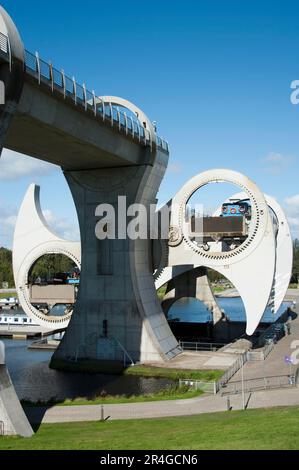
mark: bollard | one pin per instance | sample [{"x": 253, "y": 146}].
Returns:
[{"x": 228, "y": 407}]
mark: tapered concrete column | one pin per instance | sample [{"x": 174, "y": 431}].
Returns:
[
  {"x": 12, "y": 417},
  {"x": 117, "y": 312},
  {"x": 195, "y": 284}
]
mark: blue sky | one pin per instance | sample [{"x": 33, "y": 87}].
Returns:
[{"x": 215, "y": 75}]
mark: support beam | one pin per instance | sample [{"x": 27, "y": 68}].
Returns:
[
  {"x": 13, "y": 420},
  {"x": 194, "y": 284},
  {"x": 117, "y": 314}
]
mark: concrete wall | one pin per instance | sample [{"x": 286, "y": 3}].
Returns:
[
  {"x": 193, "y": 284},
  {"x": 52, "y": 294},
  {"x": 116, "y": 284},
  {"x": 12, "y": 417},
  {"x": 47, "y": 127}
]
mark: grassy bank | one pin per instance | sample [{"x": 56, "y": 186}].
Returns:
[
  {"x": 169, "y": 393},
  {"x": 175, "y": 374},
  {"x": 218, "y": 289},
  {"x": 275, "y": 428},
  {"x": 3, "y": 295},
  {"x": 161, "y": 292},
  {"x": 113, "y": 367}
]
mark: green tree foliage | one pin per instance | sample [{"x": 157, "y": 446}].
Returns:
[
  {"x": 46, "y": 266},
  {"x": 6, "y": 274},
  {"x": 295, "y": 273}
]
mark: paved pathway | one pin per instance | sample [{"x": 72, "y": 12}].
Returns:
[
  {"x": 274, "y": 365},
  {"x": 207, "y": 404}
]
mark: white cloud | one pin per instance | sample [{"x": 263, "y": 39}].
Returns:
[
  {"x": 14, "y": 166},
  {"x": 8, "y": 217},
  {"x": 276, "y": 163},
  {"x": 293, "y": 202},
  {"x": 175, "y": 168},
  {"x": 62, "y": 226}
]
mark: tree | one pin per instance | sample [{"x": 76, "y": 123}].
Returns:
[
  {"x": 45, "y": 267},
  {"x": 6, "y": 273}
]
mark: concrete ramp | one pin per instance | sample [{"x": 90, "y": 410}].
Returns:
[{"x": 12, "y": 417}]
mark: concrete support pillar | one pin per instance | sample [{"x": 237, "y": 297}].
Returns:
[
  {"x": 193, "y": 283},
  {"x": 12, "y": 417},
  {"x": 117, "y": 314},
  {"x": 11, "y": 73}
]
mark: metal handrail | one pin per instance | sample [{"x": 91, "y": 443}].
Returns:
[
  {"x": 57, "y": 81},
  {"x": 261, "y": 383},
  {"x": 240, "y": 361},
  {"x": 200, "y": 346},
  {"x": 204, "y": 385}
]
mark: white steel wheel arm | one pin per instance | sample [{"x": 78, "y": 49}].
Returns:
[
  {"x": 250, "y": 267},
  {"x": 33, "y": 239}
]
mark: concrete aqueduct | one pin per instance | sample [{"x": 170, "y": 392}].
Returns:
[{"x": 107, "y": 147}]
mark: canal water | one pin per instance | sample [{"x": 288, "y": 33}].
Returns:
[
  {"x": 192, "y": 310},
  {"x": 34, "y": 380}
]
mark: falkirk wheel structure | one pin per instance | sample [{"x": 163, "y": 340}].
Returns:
[
  {"x": 107, "y": 147},
  {"x": 183, "y": 270}
]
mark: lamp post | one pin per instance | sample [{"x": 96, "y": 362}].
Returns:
[{"x": 242, "y": 379}]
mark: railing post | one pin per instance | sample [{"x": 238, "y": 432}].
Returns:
[
  {"x": 63, "y": 83},
  {"x": 150, "y": 141},
  {"x": 118, "y": 117},
  {"x": 51, "y": 76},
  {"x": 84, "y": 96},
  {"x": 132, "y": 123},
  {"x": 37, "y": 65},
  {"x": 111, "y": 114},
  {"x": 103, "y": 104},
  {"x": 94, "y": 102},
  {"x": 75, "y": 89},
  {"x": 9, "y": 54}
]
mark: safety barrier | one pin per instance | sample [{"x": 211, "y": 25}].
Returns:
[
  {"x": 261, "y": 383},
  {"x": 58, "y": 81},
  {"x": 241, "y": 360},
  {"x": 206, "y": 387},
  {"x": 260, "y": 355},
  {"x": 198, "y": 346}
]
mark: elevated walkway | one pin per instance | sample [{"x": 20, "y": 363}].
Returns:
[
  {"x": 107, "y": 147},
  {"x": 56, "y": 116}
]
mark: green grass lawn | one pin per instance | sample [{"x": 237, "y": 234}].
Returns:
[
  {"x": 113, "y": 367},
  {"x": 275, "y": 428},
  {"x": 161, "y": 292},
  {"x": 218, "y": 289},
  {"x": 170, "y": 393},
  {"x": 175, "y": 374},
  {"x": 3, "y": 295}
]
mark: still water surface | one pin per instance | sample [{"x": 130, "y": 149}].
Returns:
[
  {"x": 34, "y": 380},
  {"x": 192, "y": 310}
]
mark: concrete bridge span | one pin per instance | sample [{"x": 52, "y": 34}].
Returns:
[{"x": 106, "y": 147}]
